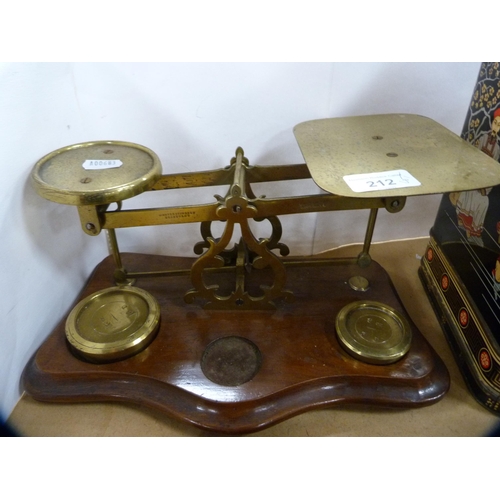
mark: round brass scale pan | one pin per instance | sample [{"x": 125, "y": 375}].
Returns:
[
  {"x": 373, "y": 332},
  {"x": 117, "y": 322},
  {"x": 96, "y": 173},
  {"x": 114, "y": 323}
]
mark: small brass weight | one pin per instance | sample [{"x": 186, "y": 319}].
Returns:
[{"x": 368, "y": 162}]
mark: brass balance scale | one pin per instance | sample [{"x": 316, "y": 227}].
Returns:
[{"x": 241, "y": 338}]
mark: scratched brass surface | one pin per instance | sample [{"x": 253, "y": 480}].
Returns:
[
  {"x": 435, "y": 156},
  {"x": 373, "y": 332},
  {"x": 112, "y": 324}
]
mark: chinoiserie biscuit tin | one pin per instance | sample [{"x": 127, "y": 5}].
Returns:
[{"x": 461, "y": 266}]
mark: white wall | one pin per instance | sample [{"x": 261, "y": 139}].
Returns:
[{"x": 193, "y": 116}]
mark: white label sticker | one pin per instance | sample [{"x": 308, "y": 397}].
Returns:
[
  {"x": 101, "y": 164},
  {"x": 379, "y": 181}
]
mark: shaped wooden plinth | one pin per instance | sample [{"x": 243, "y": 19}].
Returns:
[{"x": 301, "y": 366}]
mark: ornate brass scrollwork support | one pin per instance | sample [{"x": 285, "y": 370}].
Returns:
[{"x": 250, "y": 253}]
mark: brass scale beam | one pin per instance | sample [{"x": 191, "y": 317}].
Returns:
[{"x": 237, "y": 207}]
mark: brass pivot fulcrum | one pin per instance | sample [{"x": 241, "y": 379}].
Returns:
[{"x": 238, "y": 207}]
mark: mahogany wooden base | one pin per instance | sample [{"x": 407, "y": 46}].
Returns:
[{"x": 302, "y": 365}]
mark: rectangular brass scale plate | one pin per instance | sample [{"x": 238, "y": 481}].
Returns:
[{"x": 440, "y": 160}]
